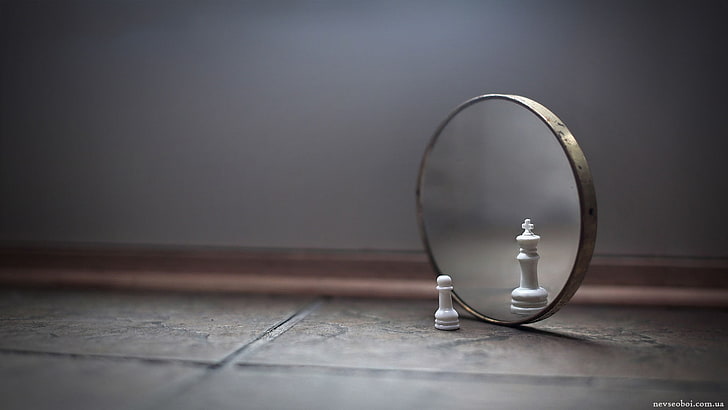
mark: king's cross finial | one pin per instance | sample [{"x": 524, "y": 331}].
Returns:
[{"x": 527, "y": 226}]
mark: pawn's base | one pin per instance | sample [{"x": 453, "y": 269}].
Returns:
[
  {"x": 528, "y": 301},
  {"x": 447, "y": 325}
]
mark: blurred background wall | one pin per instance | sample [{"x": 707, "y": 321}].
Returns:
[{"x": 301, "y": 124}]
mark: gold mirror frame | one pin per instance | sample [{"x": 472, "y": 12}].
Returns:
[{"x": 587, "y": 204}]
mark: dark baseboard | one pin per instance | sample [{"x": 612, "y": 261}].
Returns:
[{"x": 610, "y": 280}]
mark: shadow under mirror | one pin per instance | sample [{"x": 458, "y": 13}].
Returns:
[{"x": 493, "y": 164}]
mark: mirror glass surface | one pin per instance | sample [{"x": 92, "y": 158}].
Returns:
[{"x": 491, "y": 165}]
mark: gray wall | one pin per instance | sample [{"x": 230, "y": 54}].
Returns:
[{"x": 301, "y": 124}]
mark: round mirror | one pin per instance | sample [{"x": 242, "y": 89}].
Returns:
[{"x": 494, "y": 162}]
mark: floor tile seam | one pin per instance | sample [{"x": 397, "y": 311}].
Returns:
[
  {"x": 108, "y": 357},
  {"x": 272, "y": 332},
  {"x": 265, "y": 337},
  {"x": 212, "y": 363},
  {"x": 514, "y": 378}
]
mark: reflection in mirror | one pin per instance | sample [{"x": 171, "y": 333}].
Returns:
[
  {"x": 493, "y": 164},
  {"x": 528, "y": 297}
]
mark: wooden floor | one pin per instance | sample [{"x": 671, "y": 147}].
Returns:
[{"x": 71, "y": 349}]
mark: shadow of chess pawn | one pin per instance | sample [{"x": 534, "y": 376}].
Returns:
[{"x": 528, "y": 298}]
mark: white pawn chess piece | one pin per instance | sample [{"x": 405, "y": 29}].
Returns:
[
  {"x": 529, "y": 297},
  {"x": 446, "y": 318}
]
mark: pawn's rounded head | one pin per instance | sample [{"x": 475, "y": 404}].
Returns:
[{"x": 444, "y": 280}]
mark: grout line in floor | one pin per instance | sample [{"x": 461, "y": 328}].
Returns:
[
  {"x": 272, "y": 333},
  {"x": 267, "y": 336},
  {"x": 516, "y": 378},
  {"x": 111, "y": 357}
]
